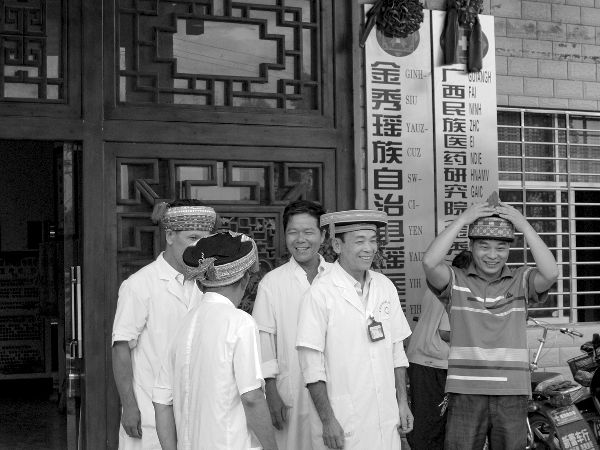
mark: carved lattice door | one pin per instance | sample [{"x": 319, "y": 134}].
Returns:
[{"x": 245, "y": 185}]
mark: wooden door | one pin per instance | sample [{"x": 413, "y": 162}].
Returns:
[{"x": 248, "y": 186}]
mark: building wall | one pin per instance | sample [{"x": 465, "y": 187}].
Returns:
[
  {"x": 547, "y": 57},
  {"x": 547, "y": 52}
]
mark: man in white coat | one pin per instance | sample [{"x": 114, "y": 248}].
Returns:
[
  {"x": 350, "y": 332},
  {"x": 208, "y": 395},
  {"x": 276, "y": 313},
  {"x": 151, "y": 305}
]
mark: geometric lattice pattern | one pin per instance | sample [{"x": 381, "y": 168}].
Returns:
[
  {"x": 33, "y": 63},
  {"x": 220, "y": 53}
]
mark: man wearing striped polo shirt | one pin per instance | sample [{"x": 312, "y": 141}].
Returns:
[{"x": 488, "y": 367}]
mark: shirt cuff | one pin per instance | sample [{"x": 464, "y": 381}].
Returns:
[
  {"x": 270, "y": 369},
  {"x": 161, "y": 395},
  {"x": 312, "y": 364},
  {"x": 400, "y": 359},
  {"x": 250, "y": 388},
  {"x": 131, "y": 338},
  {"x": 314, "y": 375}
]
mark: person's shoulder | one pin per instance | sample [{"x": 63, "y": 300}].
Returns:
[
  {"x": 275, "y": 274},
  {"x": 150, "y": 269},
  {"x": 380, "y": 278}
]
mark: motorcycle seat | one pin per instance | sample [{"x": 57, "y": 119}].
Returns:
[{"x": 540, "y": 380}]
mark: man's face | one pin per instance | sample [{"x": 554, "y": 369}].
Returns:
[
  {"x": 489, "y": 256},
  {"x": 303, "y": 237},
  {"x": 178, "y": 241},
  {"x": 356, "y": 251}
]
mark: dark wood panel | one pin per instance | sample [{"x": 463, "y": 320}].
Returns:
[
  {"x": 43, "y": 128},
  {"x": 220, "y": 134}
]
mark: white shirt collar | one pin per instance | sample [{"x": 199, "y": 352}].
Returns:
[
  {"x": 215, "y": 297},
  {"x": 167, "y": 272},
  {"x": 296, "y": 266}
]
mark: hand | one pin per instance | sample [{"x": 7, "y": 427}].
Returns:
[
  {"x": 333, "y": 434},
  {"x": 406, "y": 418},
  {"x": 477, "y": 210},
  {"x": 131, "y": 420},
  {"x": 512, "y": 214},
  {"x": 278, "y": 409}
]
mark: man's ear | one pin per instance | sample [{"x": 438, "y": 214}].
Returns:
[
  {"x": 170, "y": 236},
  {"x": 336, "y": 244},
  {"x": 323, "y": 233}
]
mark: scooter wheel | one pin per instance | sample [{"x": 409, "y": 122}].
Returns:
[{"x": 544, "y": 433}]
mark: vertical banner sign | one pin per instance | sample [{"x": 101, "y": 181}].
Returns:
[
  {"x": 399, "y": 153},
  {"x": 466, "y": 127}
]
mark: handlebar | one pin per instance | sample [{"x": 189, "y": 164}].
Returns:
[{"x": 568, "y": 331}]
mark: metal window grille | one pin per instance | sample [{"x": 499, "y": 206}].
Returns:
[{"x": 549, "y": 169}]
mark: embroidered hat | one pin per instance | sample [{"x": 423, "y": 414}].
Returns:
[
  {"x": 221, "y": 259},
  {"x": 185, "y": 217},
  {"x": 354, "y": 220},
  {"x": 492, "y": 227}
]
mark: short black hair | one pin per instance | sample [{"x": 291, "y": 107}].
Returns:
[{"x": 313, "y": 209}]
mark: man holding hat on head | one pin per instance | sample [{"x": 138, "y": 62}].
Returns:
[
  {"x": 208, "y": 394},
  {"x": 488, "y": 378},
  {"x": 151, "y": 304},
  {"x": 349, "y": 340}
]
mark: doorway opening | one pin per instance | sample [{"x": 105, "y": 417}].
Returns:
[{"x": 39, "y": 242}]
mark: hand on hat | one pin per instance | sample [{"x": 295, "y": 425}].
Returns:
[
  {"x": 477, "y": 210},
  {"x": 512, "y": 214}
]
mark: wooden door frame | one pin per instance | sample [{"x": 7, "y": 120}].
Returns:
[{"x": 84, "y": 121}]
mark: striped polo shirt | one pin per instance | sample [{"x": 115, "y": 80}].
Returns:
[{"x": 488, "y": 348}]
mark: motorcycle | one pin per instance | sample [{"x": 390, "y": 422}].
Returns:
[{"x": 562, "y": 414}]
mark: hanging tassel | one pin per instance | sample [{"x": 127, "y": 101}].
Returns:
[
  {"x": 159, "y": 211},
  {"x": 475, "y": 60},
  {"x": 444, "y": 405},
  {"x": 370, "y": 22},
  {"x": 449, "y": 38}
]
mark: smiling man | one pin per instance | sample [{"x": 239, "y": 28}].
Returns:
[
  {"x": 488, "y": 365},
  {"x": 349, "y": 341},
  {"x": 276, "y": 314}
]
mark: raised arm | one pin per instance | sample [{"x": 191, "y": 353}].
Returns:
[
  {"x": 436, "y": 269},
  {"x": 547, "y": 272}
]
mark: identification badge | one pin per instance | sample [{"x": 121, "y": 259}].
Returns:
[{"x": 375, "y": 330}]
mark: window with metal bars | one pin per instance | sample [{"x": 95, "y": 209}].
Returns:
[{"x": 549, "y": 169}]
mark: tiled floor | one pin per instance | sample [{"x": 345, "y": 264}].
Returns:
[{"x": 30, "y": 419}]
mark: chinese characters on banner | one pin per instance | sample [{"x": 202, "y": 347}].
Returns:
[
  {"x": 399, "y": 156},
  {"x": 466, "y": 128}
]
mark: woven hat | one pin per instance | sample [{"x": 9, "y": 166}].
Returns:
[
  {"x": 184, "y": 218},
  {"x": 492, "y": 227},
  {"x": 221, "y": 259},
  {"x": 353, "y": 220}
]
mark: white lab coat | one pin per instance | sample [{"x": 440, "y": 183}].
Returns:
[
  {"x": 276, "y": 313},
  {"x": 152, "y": 302},
  {"x": 359, "y": 373},
  {"x": 211, "y": 362}
]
